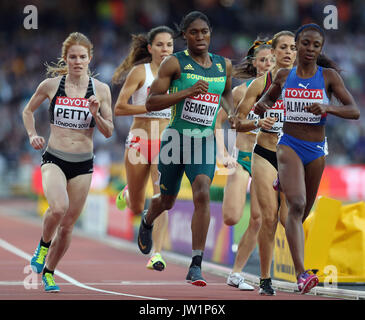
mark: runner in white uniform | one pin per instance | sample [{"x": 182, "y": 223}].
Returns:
[{"x": 143, "y": 141}]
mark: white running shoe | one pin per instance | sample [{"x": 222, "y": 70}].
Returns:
[{"x": 237, "y": 280}]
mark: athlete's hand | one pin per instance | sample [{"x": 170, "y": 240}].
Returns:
[
  {"x": 232, "y": 119},
  {"x": 316, "y": 108},
  {"x": 94, "y": 105},
  {"x": 267, "y": 123},
  {"x": 37, "y": 142},
  {"x": 260, "y": 108},
  {"x": 230, "y": 162},
  {"x": 199, "y": 87}
]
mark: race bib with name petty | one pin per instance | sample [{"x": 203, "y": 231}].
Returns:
[{"x": 72, "y": 113}]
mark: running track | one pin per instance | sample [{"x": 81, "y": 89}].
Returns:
[{"x": 93, "y": 269}]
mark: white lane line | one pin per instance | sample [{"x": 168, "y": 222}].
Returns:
[
  {"x": 9, "y": 247},
  {"x": 122, "y": 283}
]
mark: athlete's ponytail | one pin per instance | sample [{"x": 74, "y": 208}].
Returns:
[
  {"x": 245, "y": 69},
  {"x": 138, "y": 52},
  {"x": 326, "y": 62}
]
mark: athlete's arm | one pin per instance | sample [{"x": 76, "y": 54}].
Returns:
[
  {"x": 135, "y": 79},
  {"x": 238, "y": 94},
  {"x": 271, "y": 95},
  {"x": 168, "y": 71},
  {"x": 227, "y": 97},
  {"x": 253, "y": 91},
  {"x": 222, "y": 153},
  {"x": 41, "y": 94},
  {"x": 104, "y": 118},
  {"x": 349, "y": 109}
]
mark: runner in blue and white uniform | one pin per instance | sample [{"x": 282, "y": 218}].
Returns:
[{"x": 306, "y": 92}]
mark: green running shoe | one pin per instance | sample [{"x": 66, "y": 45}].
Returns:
[
  {"x": 49, "y": 283},
  {"x": 39, "y": 258},
  {"x": 120, "y": 201},
  {"x": 156, "y": 263}
]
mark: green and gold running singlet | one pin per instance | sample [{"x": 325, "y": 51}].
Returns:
[{"x": 198, "y": 112}]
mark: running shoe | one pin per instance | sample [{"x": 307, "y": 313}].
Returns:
[
  {"x": 195, "y": 277},
  {"x": 145, "y": 235},
  {"x": 266, "y": 288},
  {"x": 39, "y": 258},
  {"x": 276, "y": 184},
  {"x": 120, "y": 201},
  {"x": 306, "y": 281},
  {"x": 238, "y": 281},
  {"x": 156, "y": 263},
  {"x": 49, "y": 283}
]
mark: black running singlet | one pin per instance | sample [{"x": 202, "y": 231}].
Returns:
[{"x": 72, "y": 113}]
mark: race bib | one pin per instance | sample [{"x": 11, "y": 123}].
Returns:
[
  {"x": 295, "y": 102},
  {"x": 162, "y": 114},
  {"x": 72, "y": 113},
  {"x": 201, "y": 109},
  {"x": 253, "y": 116},
  {"x": 276, "y": 111}
]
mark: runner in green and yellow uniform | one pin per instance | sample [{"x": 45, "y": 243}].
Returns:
[{"x": 197, "y": 81}]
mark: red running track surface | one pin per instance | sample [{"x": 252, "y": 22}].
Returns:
[{"x": 94, "y": 270}]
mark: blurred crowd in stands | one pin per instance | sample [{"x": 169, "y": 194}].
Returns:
[{"x": 109, "y": 23}]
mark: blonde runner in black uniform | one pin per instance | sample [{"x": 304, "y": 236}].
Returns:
[{"x": 78, "y": 103}]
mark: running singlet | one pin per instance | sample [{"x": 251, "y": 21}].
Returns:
[
  {"x": 139, "y": 97},
  {"x": 197, "y": 112},
  {"x": 299, "y": 93},
  {"x": 276, "y": 111},
  {"x": 71, "y": 113}
]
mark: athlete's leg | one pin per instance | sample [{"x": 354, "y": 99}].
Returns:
[
  {"x": 249, "y": 239},
  {"x": 283, "y": 209},
  {"x": 292, "y": 183},
  {"x": 201, "y": 216},
  {"x": 313, "y": 175},
  {"x": 263, "y": 174},
  {"x": 54, "y": 187},
  {"x": 235, "y": 196},
  {"x": 77, "y": 189},
  {"x": 137, "y": 178},
  {"x": 161, "y": 223}
]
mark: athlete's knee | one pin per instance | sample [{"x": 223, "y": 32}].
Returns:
[
  {"x": 201, "y": 196},
  {"x": 270, "y": 221},
  {"x": 230, "y": 221},
  {"x": 255, "y": 222},
  {"x": 166, "y": 202},
  {"x": 230, "y": 217},
  {"x": 65, "y": 229},
  {"x": 296, "y": 206},
  {"x": 58, "y": 209}
]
